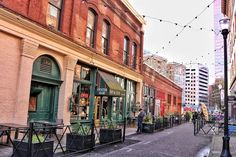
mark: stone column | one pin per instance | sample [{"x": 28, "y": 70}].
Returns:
[
  {"x": 139, "y": 93},
  {"x": 28, "y": 49},
  {"x": 66, "y": 89}
]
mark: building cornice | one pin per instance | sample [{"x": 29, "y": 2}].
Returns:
[{"x": 133, "y": 11}]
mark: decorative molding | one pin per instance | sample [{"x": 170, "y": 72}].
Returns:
[
  {"x": 70, "y": 62},
  {"x": 28, "y": 47},
  {"x": 133, "y": 11}
]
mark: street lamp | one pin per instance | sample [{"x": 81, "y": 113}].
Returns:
[{"x": 224, "y": 23}]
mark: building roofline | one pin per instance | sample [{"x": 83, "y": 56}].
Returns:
[
  {"x": 133, "y": 11},
  {"x": 163, "y": 76}
]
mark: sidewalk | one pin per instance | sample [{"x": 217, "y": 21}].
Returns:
[
  {"x": 216, "y": 145},
  {"x": 130, "y": 131}
]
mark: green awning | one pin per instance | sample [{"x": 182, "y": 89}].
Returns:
[{"x": 114, "y": 88}]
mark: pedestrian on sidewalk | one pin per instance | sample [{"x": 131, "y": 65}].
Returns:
[{"x": 140, "y": 120}]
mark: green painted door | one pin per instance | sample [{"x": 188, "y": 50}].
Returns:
[{"x": 43, "y": 108}]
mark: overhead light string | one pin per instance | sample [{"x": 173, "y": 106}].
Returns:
[{"x": 188, "y": 23}]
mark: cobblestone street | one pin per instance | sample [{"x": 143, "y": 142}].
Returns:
[{"x": 175, "y": 142}]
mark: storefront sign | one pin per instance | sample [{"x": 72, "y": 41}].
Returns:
[
  {"x": 101, "y": 91},
  {"x": 116, "y": 93},
  {"x": 84, "y": 95}
]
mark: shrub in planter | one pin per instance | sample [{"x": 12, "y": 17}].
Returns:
[
  {"x": 188, "y": 116},
  {"x": 148, "y": 126},
  {"x": 80, "y": 138},
  {"x": 158, "y": 123},
  {"x": 40, "y": 147},
  {"x": 110, "y": 133}
]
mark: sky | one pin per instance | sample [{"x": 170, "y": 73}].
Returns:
[{"x": 192, "y": 45}]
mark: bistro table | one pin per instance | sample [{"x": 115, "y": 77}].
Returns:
[
  {"x": 50, "y": 128},
  {"x": 211, "y": 127},
  {"x": 6, "y": 129}
]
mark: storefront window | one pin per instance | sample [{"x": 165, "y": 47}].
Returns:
[
  {"x": 117, "y": 111},
  {"x": 121, "y": 81},
  {"x": 130, "y": 100},
  {"x": 84, "y": 101},
  {"x": 149, "y": 97},
  {"x": 82, "y": 73},
  {"x": 81, "y": 92}
]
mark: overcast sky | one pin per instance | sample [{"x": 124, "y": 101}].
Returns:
[{"x": 192, "y": 45}]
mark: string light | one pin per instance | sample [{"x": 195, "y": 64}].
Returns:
[
  {"x": 188, "y": 23},
  {"x": 217, "y": 32},
  {"x": 183, "y": 27}
]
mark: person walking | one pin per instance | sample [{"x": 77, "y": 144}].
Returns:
[{"x": 140, "y": 120}]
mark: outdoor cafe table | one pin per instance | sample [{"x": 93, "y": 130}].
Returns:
[
  {"x": 6, "y": 128},
  {"x": 50, "y": 128}
]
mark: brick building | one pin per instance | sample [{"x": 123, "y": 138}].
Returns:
[
  {"x": 161, "y": 95},
  {"x": 71, "y": 59}
]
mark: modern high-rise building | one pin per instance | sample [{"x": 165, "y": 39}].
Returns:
[
  {"x": 219, "y": 54},
  {"x": 196, "y": 85}
]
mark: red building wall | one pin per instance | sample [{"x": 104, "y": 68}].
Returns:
[
  {"x": 74, "y": 23},
  {"x": 163, "y": 86}
]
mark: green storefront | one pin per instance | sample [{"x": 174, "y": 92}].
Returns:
[
  {"x": 96, "y": 95},
  {"x": 100, "y": 95}
]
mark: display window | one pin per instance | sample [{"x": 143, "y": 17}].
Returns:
[{"x": 81, "y": 94}]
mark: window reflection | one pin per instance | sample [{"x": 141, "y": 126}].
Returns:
[{"x": 54, "y": 13}]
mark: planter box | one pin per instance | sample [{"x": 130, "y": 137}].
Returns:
[
  {"x": 148, "y": 128},
  {"x": 158, "y": 125},
  {"x": 44, "y": 149},
  {"x": 110, "y": 135},
  {"x": 75, "y": 142},
  {"x": 166, "y": 122}
]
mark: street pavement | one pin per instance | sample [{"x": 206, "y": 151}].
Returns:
[
  {"x": 178, "y": 141},
  {"x": 216, "y": 146}
]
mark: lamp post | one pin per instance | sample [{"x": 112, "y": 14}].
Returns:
[{"x": 224, "y": 23}]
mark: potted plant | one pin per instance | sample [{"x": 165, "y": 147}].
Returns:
[
  {"x": 40, "y": 147},
  {"x": 158, "y": 123},
  {"x": 81, "y": 137},
  {"x": 148, "y": 126},
  {"x": 188, "y": 116},
  {"x": 110, "y": 132}
]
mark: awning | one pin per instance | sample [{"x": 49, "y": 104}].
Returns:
[{"x": 114, "y": 88}]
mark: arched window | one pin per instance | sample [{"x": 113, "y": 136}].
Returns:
[
  {"x": 105, "y": 36},
  {"x": 134, "y": 55},
  {"x": 91, "y": 27},
  {"x": 126, "y": 50},
  {"x": 54, "y": 13}
]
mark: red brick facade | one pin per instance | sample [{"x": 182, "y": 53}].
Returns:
[
  {"x": 163, "y": 87},
  {"x": 73, "y": 23},
  {"x": 25, "y": 37}
]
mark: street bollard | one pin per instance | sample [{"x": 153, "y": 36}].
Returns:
[
  {"x": 92, "y": 131},
  {"x": 124, "y": 129}
]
